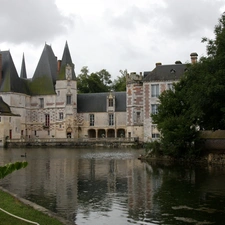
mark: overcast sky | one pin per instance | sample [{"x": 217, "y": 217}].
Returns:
[{"x": 112, "y": 35}]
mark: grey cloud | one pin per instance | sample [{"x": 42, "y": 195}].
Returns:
[
  {"x": 31, "y": 21},
  {"x": 130, "y": 18},
  {"x": 190, "y": 18}
]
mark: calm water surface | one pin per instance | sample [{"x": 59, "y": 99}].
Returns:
[{"x": 110, "y": 186}]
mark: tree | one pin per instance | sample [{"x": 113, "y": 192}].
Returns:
[
  {"x": 96, "y": 85},
  {"x": 105, "y": 77},
  {"x": 197, "y": 101},
  {"x": 174, "y": 121},
  {"x": 95, "y": 82},
  {"x": 119, "y": 84},
  {"x": 82, "y": 80}
]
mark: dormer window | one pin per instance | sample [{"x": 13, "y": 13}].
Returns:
[
  {"x": 110, "y": 102},
  {"x": 68, "y": 72},
  {"x": 172, "y": 71}
]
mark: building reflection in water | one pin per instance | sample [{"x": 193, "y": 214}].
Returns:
[
  {"x": 84, "y": 185},
  {"x": 71, "y": 182}
]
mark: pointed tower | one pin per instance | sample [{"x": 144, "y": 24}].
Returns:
[
  {"x": 23, "y": 72},
  {"x": 10, "y": 79},
  {"x": 44, "y": 77},
  {"x": 65, "y": 63},
  {"x": 66, "y": 96}
]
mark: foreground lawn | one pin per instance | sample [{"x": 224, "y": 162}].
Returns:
[{"x": 12, "y": 205}]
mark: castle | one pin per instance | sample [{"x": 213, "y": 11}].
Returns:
[{"x": 48, "y": 105}]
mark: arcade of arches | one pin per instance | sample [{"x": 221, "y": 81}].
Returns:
[{"x": 106, "y": 133}]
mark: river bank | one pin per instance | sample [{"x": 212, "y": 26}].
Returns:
[{"x": 26, "y": 210}]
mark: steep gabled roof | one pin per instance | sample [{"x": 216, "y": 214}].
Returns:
[
  {"x": 97, "y": 102},
  {"x": 44, "y": 77},
  {"x": 10, "y": 79},
  {"x": 66, "y": 59},
  {"x": 23, "y": 72},
  {"x": 165, "y": 72}
]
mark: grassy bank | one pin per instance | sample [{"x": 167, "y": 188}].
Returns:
[{"x": 13, "y": 205}]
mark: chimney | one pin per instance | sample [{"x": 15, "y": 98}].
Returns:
[
  {"x": 194, "y": 57},
  {"x": 0, "y": 69},
  {"x": 59, "y": 65},
  {"x": 158, "y": 64}
]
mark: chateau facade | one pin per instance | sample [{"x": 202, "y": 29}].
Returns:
[{"x": 48, "y": 104}]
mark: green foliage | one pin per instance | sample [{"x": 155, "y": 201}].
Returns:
[
  {"x": 94, "y": 82},
  {"x": 197, "y": 101},
  {"x": 153, "y": 148},
  {"x": 9, "y": 168},
  {"x": 175, "y": 123},
  {"x": 119, "y": 84}
]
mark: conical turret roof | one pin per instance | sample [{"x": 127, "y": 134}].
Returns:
[
  {"x": 66, "y": 60},
  {"x": 10, "y": 79},
  {"x": 23, "y": 72},
  {"x": 44, "y": 77}
]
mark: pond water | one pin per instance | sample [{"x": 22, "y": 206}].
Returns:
[{"x": 111, "y": 186}]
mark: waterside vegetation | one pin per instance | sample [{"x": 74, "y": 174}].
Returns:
[{"x": 195, "y": 104}]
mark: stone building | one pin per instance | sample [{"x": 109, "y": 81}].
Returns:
[{"x": 48, "y": 105}]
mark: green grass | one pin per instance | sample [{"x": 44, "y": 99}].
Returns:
[{"x": 14, "y": 206}]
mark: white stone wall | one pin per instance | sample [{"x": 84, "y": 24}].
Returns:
[{"x": 101, "y": 122}]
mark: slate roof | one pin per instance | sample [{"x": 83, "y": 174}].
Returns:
[
  {"x": 45, "y": 74},
  {"x": 97, "y": 102},
  {"x": 165, "y": 72},
  {"x": 66, "y": 59},
  {"x": 23, "y": 72},
  {"x": 10, "y": 79}
]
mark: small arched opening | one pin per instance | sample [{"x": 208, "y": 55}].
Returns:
[
  {"x": 101, "y": 133},
  {"x": 69, "y": 132},
  {"x": 111, "y": 133},
  {"x": 91, "y": 133},
  {"x": 121, "y": 133}
]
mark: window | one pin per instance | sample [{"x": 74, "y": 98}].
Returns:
[
  {"x": 138, "y": 117},
  {"x": 10, "y": 119},
  {"x": 154, "y": 108},
  {"x": 155, "y": 90},
  {"x": 110, "y": 102},
  {"x": 111, "y": 119},
  {"x": 92, "y": 119},
  {"x": 68, "y": 99},
  {"x": 61, "y": 115},
  {"x": 41, "y": 102},
  {"x": 155, "y": 135},
  {"x": 170, "y": 86},
  {"x": 47, "y": 120},
  {"x": 155, "y": 132},
  {"x": 58, "y": 93}
]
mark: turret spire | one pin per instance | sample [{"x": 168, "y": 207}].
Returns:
[{"x": 23, "y": 72}]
